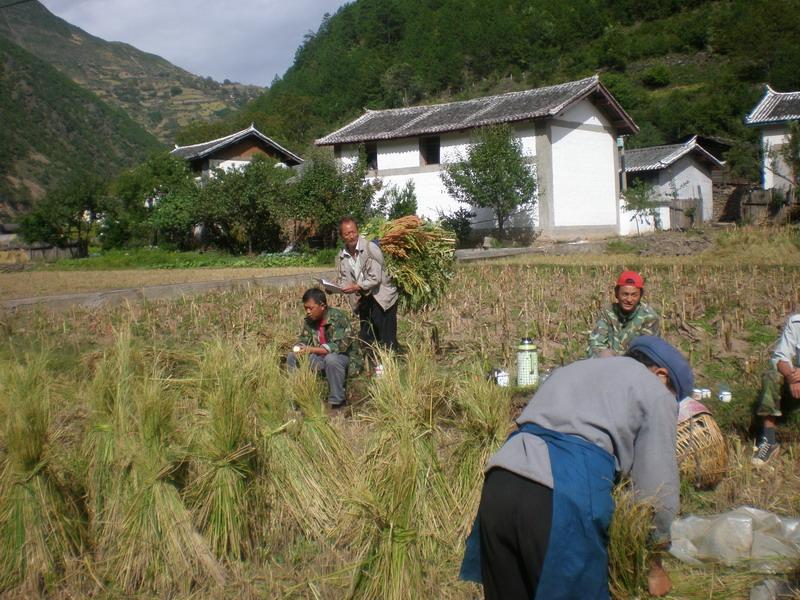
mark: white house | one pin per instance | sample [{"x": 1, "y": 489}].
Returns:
[
  {"x": 568, "y": 133},
  {"x": 772, "y": 116},
  {"x": 232, "y": 151},
  {"x": 676, "y": 172}
]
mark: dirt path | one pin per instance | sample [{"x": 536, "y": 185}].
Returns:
[{"x": 30, "y": 284}]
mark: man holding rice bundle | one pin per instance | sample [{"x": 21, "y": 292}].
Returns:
[
  {"x": 370, "y": 290},
  {"x": 624, "y": 320},
  {"x": 546, "y": 505}
]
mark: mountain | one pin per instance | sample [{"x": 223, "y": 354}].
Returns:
[
  {"x": 679, "y": 67},
  {"x": 50, "y": 128},
  {"x": 161, "y": 97}
]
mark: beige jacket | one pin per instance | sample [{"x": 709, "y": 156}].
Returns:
[{"x": 368, "y": 272}]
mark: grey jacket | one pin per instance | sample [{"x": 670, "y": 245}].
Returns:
[
  {"x": 367, "y": 269},
  {"x": 617, "y": 404}
]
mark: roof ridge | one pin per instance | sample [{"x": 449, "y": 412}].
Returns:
[
  {"x": 225, "y": 137},
  {"x": 627, "y": 150}
]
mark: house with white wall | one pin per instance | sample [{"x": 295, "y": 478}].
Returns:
[
  {"x": 233, "y": 151},
  {"x": 772, "y": 116},
  {"x": 677, "y": 172},
  {"x": 568, "y": 133}
]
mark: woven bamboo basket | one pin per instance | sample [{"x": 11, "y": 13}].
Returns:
[{"x": 702, "y": 452}]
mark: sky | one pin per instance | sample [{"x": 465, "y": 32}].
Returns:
[{"x": 249, "y": 41}]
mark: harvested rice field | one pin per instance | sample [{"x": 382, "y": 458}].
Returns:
[{"x": 162, "y": 450}]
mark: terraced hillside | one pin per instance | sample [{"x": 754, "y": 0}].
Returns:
[
  {"x": 52, "y": 128},
  {"x": 155, "y": 93}
]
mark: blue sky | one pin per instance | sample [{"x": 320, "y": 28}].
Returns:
[{"x": 249, "y": 41}]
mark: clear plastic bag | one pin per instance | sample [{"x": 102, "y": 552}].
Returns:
[{"x": 762, "y": 539}]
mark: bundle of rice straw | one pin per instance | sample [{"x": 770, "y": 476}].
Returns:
[
  {"x": 419, "y": 256},
  {"x": 40, "y": 524}
]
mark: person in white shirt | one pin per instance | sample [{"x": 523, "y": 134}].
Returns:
[{"x": 780, "y": 386}]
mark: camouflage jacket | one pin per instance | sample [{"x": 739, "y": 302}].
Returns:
[
  {"x": 615, "y": 330},
  {"x": 339, "y": 337}
]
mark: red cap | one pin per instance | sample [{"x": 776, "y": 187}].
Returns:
[{"x": 630, "y": 278}]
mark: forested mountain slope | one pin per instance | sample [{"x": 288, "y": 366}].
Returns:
[
  {"x": 51, "y": 128},
  {"x": 155, "y": 93},
  {"x": 679, "y": 67}
]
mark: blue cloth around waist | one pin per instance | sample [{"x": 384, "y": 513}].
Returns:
[{"x": 576, "y": 562}]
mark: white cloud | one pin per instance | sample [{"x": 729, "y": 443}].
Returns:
[{"x": 249, "y": 41}]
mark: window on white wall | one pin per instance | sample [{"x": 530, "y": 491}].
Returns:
[
  {"x": 371, "y": 154},
  {"x": 429, "y": 150}
]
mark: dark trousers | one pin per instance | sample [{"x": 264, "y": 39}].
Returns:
[
  {"x": 378, "y": 326},
  {"x": 515, "y": 515}
]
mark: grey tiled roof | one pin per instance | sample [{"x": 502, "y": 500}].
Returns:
[
  {"x": 467, "y": 114},
  {"x": 655, "y": 158},
  {"x": 196, "y": 151},
  {"x": 775, "y": 107}
]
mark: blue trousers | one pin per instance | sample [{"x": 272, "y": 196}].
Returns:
[{"x": 576, "y": 559}]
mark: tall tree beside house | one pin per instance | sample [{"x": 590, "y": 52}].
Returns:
[
  {"x": 248, "y": 204},
  {"x": 641, "y": 200},
  {"x": 325, "y": 192},
  {"x": 133, "y": 196},
  {"x": 67, "y": 215},
  {"x": 494, "y": 174}
]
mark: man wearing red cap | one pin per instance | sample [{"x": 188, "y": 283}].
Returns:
[{"x": 624, "y": 320}]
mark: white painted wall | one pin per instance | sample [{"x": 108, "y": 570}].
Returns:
[
  {"x": 230, "y": 165},
  {"x": 399, "y": 163},
  {"x": 774, "y": 171},
  {"x": 398, "y": 154},
  {"x": 432, "y": 198},
  {"x": 687, "y": 178},
  {"x": 628, "y": 221},
  {"x": 584, "y": 177}
]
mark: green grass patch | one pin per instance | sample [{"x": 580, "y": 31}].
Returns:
[
  {"x": 620, "y": 247},
  {"x": 157, "y": 258}
]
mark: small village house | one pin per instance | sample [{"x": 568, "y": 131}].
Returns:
[
  {"x": 568, "y": 132},
  {"x": 772, "y": 116},
  {"x": 233, "y": 151},
  {"x": 680, "y": 175}
]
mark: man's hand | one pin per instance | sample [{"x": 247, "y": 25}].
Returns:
[
  {"x": 351, "y": 289},
  {"x": 793, "y": 377},
  {"x": 794, "y": 389},
  {"x": 658, "y": 581}
]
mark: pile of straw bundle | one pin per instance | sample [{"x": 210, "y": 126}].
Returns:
[
  {"x": 40, "y": 526},
  {"x": 309, "y": 466},
  {"x": 402, "y": 504},
  {"x": 144, "y": 536},
  {"x": 419, "y": 256}
]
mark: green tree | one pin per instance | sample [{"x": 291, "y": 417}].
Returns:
[
  {"x": 325, "y": 192},
  {"x": 494, "y": 174},
  {"x": 134, "y": 194},
  {"x": 247, "y": 203},
  {"x": 641, "y": 200},
  {"x": 397, "y": 202},
  {"x": 67, "y": 214},
  {"x": 174, "y": 215}
]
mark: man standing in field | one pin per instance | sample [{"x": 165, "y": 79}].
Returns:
[
  {"x": 546, "y": 505},
  {"x": 780, "y": 389},
  {"x": 624, "y": 320},
  {"x": 327, "y": 341},
  {"x": 370, "y": 290}
]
